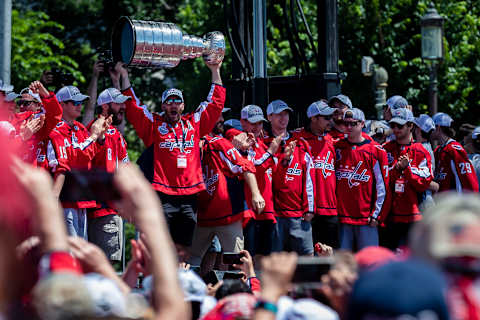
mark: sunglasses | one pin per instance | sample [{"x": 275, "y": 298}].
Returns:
[
  {"x": 351, "y": 123},
  {"x": 24, "y": 102},
  {"x": 396, "y": 125},
  {"x": 75, "y": 103},
  {"x": 171, "y": 101}
]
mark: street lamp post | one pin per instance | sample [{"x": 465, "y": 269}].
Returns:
[{"x": 432, "y": 50}]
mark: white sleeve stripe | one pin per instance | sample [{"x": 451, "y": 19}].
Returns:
[
  {"x": 309, "y": 184},
  {"x": 233, "y": 167},
  {"x": 381, "y": 190},
  {"x": 203, "y": 105},
  {"x": 144, "y": 107},
  {"x": 82, "y": 146},
  {"x": 51, "y": 156},
  {"x": 262, "y": 159},
  {"x": 458, "y": 184},
  {"x": 423, "y": 170}
]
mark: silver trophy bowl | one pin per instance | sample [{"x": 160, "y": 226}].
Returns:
[{"x": 151, "y": 44}]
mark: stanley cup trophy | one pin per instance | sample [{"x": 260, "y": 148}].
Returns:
[{"x": 150, "y": 44}]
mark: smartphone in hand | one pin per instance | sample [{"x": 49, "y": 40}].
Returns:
[{"x": 231, "y": 258}]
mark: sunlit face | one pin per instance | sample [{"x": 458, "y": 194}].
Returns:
[
  {"x": 117, "y": 110},
  {"x": 341, "y": 108},
  {"x": 255, "y": 128},
  {"x": 71, "y": 109},
  {"x": 353, "y": 127},
  {"x": 28, "y": 103},
  {"x": 320, "y": 123},
  {"x": 401, "y": 131},
  {"x": 279, "y": 121},
  {"x": 173, "y": 108}
]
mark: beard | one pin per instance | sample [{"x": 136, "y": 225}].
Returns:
[
  {"x": 219, "y": 128},
  {"x": 117, "y": 116}
]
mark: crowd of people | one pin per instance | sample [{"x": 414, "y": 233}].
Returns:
[{"x": 394, "y": 202}]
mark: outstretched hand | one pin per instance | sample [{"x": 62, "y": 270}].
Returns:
[
  {"x": 31, "y": 126},
  {"x": 37, "y": 87}
]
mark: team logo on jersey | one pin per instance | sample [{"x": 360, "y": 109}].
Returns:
[
  {"x": 171, "y": 144},
  {"x": 390, "y": 158},
  {"x": 211, "y": 181},
  {"x": 293, "y": 172},
  {"x": 40, "y": 158},
  {"x": 75, "y": 127},
  {"x": 440, "y": 175},
  {"x": 379, "y": 147},
  {"x": 163, "y": 129},
  {"x": 326, "y": 167},
  {"x": 60, "y": 124},
  {"x": 353, "y": 177},
  {"x": 110, "y": 131}
]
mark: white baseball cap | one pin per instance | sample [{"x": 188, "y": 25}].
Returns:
[
  {"x": 194, "y": 288},
  {"x": 424, "y": 122},
  {"x": 319, "y": 108},
  {"x": 476, "y": 133},
  {"x": 111, "y": 95},
  {"x": 442, "y": 119},
  {"x": 68, "y": 93},
  {"x": 107, "y": 297},
  {"x": 277, "y": 106},
  {"x": 36, "y": 96}
]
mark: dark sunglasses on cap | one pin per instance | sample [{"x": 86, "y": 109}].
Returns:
[
  {"x": 171, "y": 101},
  {"x": 24, "y": 102},
  {"x": 394, "y": 125}
]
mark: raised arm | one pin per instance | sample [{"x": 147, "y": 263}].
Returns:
[
  {"x": 89, "y": 113},
  {"x": 53, "y": 110}
]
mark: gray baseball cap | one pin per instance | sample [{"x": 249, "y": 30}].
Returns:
[
  {"x": 343, "y": 99},
  {"x": 252, "y": 113},
  {"x": 172, "y": 92},
  {"x": 70, "y": 93},
  {"x": 442, "y": 119},
  {"x": 319, "y": 108},
  {"x": 355, "y": 114},
  {"x": 111, "y": 95},
  {"x": 397, "y": 102},
  {"x": 277, "y": 106},
  {"x": 11, "y": 96},
  {"x": 424, "y": 122},
  {"x": 401, "y": 116}
]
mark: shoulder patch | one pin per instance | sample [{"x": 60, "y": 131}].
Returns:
[
  {"x": 457, "y": 147},
  {"x": 163, "y": 128}
]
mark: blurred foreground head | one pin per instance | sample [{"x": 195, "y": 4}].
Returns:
[{"x": 449, "y": 230}]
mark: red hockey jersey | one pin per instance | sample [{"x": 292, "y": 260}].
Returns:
[
  {"x": 177, "y": 168},
  {"x": 264, "y": 164},
  {"x": 293, "y": 184},
  {"x": 362, "y": 184},
  {"x": 223, "y": 202},
  {"x": 407, "y": 185},
  {"x": 110, "y": 153},
  {"x": 70, "y": 147},
  {"x": 36, "y": 146},
  {"x": 323, "y": 155},
  {"x": 453, "y": 169}
]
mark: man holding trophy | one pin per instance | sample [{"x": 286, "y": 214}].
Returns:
[{"x": 175, "y": 138}]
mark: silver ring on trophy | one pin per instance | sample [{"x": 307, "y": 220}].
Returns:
[{"x": 151, "y": 44}]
